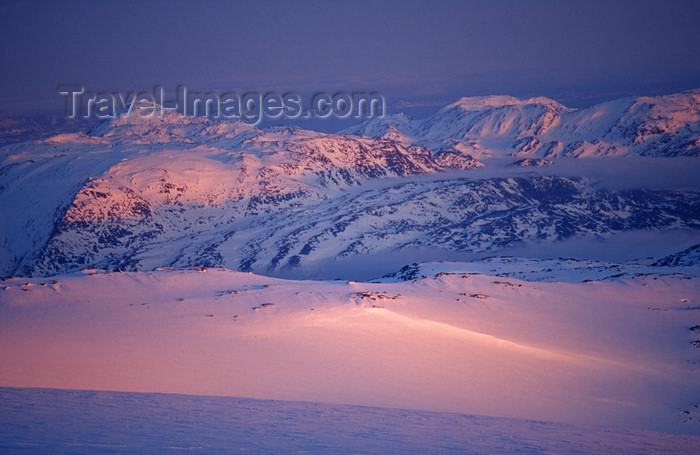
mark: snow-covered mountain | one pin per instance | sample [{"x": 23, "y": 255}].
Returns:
[
  {"x": 540, "y": 127},
  {"x": 137, "y": 193},
  {"x": 127, "y": 185},
  {"x": 22, "y": 129},
  {"x": 688, "y": 257},
  {"x": 185, "y": 205},
  {"x": 568, "y": 270}
]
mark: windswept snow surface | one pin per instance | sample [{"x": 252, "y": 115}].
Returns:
[
  {"x": 82, "y": 422},
  {"x": 620, "y": 352}
]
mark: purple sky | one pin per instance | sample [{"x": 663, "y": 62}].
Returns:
[{"x": 415, "y": 53}]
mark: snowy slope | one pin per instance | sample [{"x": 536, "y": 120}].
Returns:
[
  {"x": 82, "y": 422},
  {"x": 489, "y": 126},
  {"x": 583, "y": 342},
  {"x": 688, "y": 257},
  {"x": 618, "y": 352},
  {"x": 137, "y": 193},
  {"x": 172, "y": 219},
  {"x": 568, "y": 270},
  {"x": 124, "y": 169}
]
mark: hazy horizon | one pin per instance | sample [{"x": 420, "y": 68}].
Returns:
[{"x": 419, "y": 56}]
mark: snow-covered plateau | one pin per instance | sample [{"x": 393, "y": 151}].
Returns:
[
  {"x": 615, "y": 352},
  {"x": 506, "y": 275}
]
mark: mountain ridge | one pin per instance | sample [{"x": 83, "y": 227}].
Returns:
[
  {"x": 141, "y": 193},
  {"x": 665, "y": 125}
]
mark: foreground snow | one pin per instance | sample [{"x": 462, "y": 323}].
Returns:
[
  {"x": 80, "y": 422},
  {"x": 617, "y": 352}
]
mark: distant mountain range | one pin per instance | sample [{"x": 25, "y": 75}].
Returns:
[
  {"x": 540, "y": 127},
  {"x": 22, "y": 129},
  {"x": 138, "y": 193}
]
